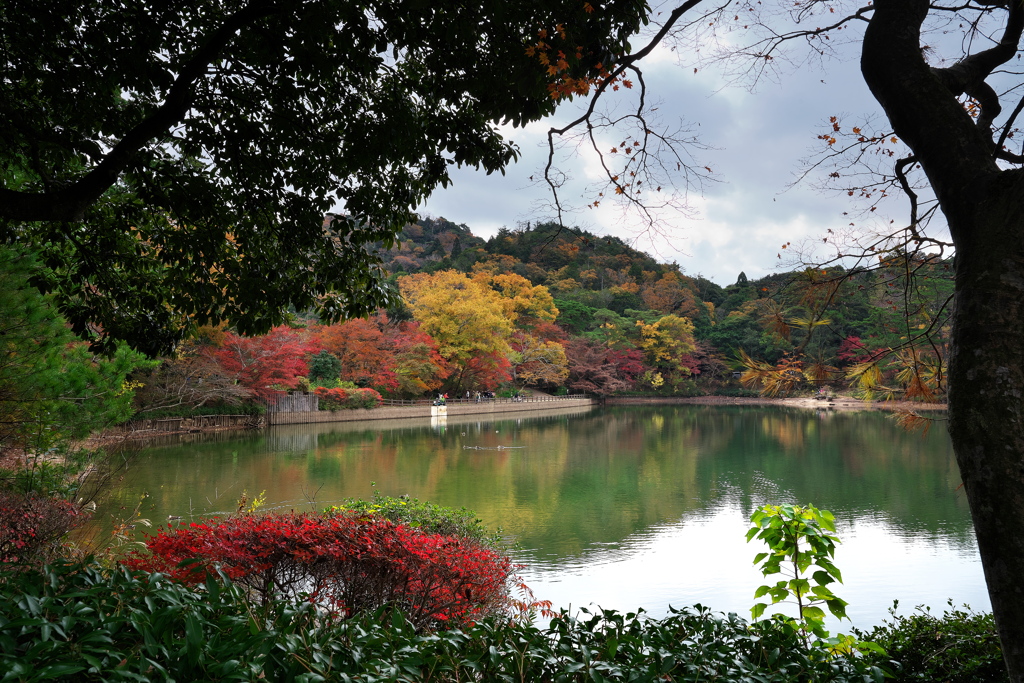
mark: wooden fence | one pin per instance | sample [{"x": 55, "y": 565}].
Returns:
[{"x": 194, "y": 423}]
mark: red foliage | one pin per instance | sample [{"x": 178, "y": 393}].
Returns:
[
  {"x": 346, "y": 563},
  {"x": 420, "y": 366},
  {"x": 596, "y": 369},
  {"x": 852, "y": 351},
  {"x": 629, "y": 363},
  {"x": 31, "y": 526},
  {"x": 365, "y": 354},
  {"x": 394, "y": 359},
  {"x": 548, "y": 331},
  {"x": 277, "y": 358},
  {"x": 485, "y": 371}
]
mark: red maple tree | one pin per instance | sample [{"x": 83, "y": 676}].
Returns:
[{"x": 268, "y": 363}]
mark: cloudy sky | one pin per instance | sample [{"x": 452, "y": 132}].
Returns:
[{"x": 756, "y": 142}]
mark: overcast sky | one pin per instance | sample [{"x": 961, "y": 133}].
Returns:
[{"x": 758, "y": 141}]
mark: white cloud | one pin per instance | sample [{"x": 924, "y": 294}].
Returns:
[{"x": 758, "y": 141}]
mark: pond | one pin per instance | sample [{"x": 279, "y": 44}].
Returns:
[{"x": 621, "y": 507}]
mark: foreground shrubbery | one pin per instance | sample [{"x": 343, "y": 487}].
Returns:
[
  {"x": 92, "y": 624},
  {"x": 399, "y": 590},
  {"x": 78, "y": 620},
  {"x": 959, "y": 647}
]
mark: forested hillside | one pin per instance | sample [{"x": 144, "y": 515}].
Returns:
[{"x": 565, "y": 310}]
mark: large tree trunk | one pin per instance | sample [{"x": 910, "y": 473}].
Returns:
[
  {"x": 986, "y": 408},
  {"x": 984, "y": 208}
]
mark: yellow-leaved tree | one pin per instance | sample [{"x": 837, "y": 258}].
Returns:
[
  {"x": 524, "y": 303},
  {"x": 468, "y": 321},
  {"x": 667, "y": 344}
]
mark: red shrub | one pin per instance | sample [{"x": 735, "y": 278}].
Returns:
[
  {"x": 32, "y": 526},
  {"x": 346, "y": 563}
]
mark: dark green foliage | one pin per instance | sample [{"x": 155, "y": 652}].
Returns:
[
  {"x": 174, "y": 162},
  {"x": 709, "y": 291},
  {"x": 325, "y": 366},
  {"x": 82, "y": 622},
  {"x": 90, "y": 624},
  {"x": 52, "y": 389},
  {"x": 961, "y": 646},
  {"x": 573, "y": 316},
  {"x": 742, "y": 332}
]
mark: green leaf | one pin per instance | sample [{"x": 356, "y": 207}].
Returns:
[
  {"x": 822, "y": 577},
  {"x": 822, "y": 592},
  {"x": 59, "y": 670},
  {"x": 872, "y": 647},
  {"x": 813, "y": 612},
  {"x": 827, "y": 520},
  {"x": 837, "y": 607}
]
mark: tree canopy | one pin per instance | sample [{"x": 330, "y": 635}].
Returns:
[{"x": 172, "y": 163}]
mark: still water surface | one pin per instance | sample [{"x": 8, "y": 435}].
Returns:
[{"x": 620, "y": 507}]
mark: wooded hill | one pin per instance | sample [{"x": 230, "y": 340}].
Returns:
[
  {"x": 566, "y": 310},
  {"x": 600, "y": 283}
]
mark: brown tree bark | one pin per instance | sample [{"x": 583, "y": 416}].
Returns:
[{"x": 984, "y": 208}]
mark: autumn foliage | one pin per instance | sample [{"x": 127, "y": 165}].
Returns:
[
  {"x": 346, "y": 563},
  {"x": 31, "y": 526},
  {"x": 266, "y": 364},
  {"x": 365, "y": 352}
]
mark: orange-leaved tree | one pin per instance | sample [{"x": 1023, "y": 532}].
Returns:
[
  {"x": 418, "y": 364},
  {"x": 365, "y": 354}
]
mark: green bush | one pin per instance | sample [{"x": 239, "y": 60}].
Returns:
[
  {"x": 58, "y": 473},
  {"x": 325, "y": 366},
  {"x": 427, "y": 517},
  {"x": 961, "y": 646},
  {"x": 83, "y": 622}
]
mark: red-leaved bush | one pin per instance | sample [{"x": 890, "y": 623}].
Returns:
[
  {"x": 338, "y": 398},
  {"x": 32, "y": 526},
  {"x": 345, "y": 563}
]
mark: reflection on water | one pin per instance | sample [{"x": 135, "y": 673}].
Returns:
[{"x": 623, "y": 507}]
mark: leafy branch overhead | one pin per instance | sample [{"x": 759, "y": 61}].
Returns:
[{"x": 173, "y": 164}]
